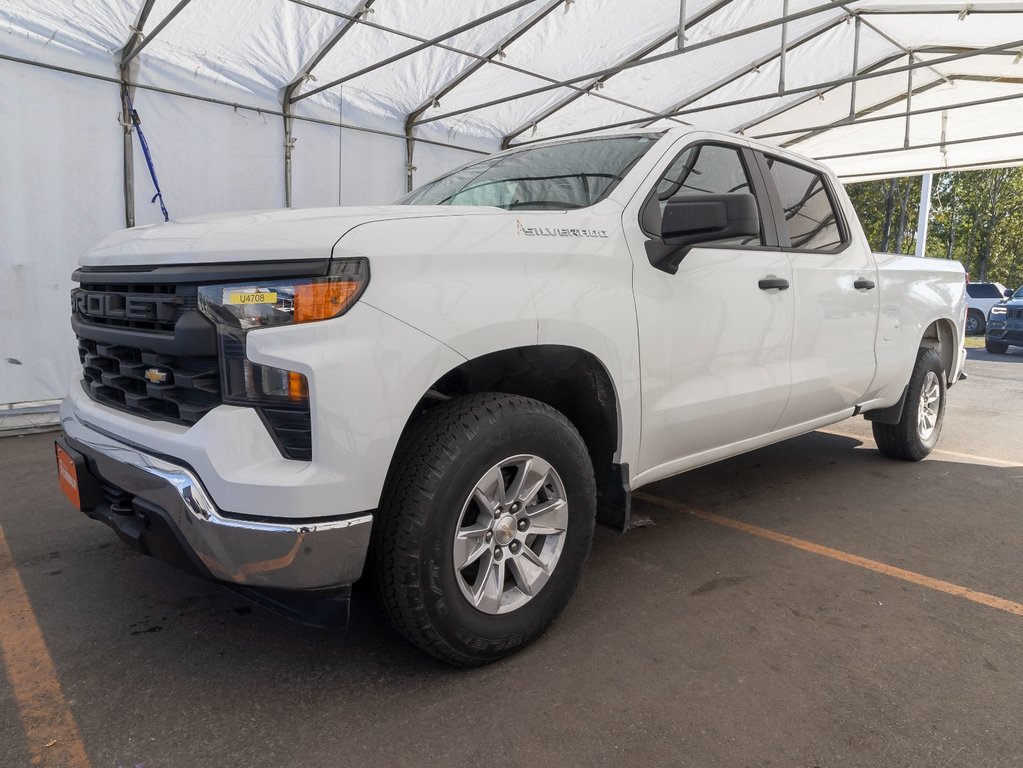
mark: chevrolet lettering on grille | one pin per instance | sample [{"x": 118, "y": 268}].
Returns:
[{"x": 93, "y": 304}]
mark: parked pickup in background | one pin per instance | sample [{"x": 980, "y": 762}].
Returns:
[
  {"x": 449, "y": 392},
  {"x": 980, "y": 298}
]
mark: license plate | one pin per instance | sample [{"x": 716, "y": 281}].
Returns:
[{"x": 67, "y": 476}]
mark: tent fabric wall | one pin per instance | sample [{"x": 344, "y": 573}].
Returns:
[
  {"x": 57, "y": 195},
  {"x": 451, "y": 80}
]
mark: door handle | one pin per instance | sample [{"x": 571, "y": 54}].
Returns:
[
  {"x": 773, "y": 282},
  {"x": 862, "y": 284}
]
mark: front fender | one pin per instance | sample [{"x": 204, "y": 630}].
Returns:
[
  {"x": 459, "y": 279},
  {"x": 366, "y": 371}
]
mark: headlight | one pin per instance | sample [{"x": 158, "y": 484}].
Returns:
[
  {"x": 998, "y": 309},
  {"x": 238, "y": 308},
  {"x": 271, "y": 303}
]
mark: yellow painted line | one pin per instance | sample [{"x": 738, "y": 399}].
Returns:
[
  {"x": 970, "y": 456},
  {"x": 871, "y": 565},
  {"x": 50, "y": 729}
]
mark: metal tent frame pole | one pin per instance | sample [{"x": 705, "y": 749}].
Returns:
[
  {"x": 923, "y": 215},
  {"x": 747, "y": 69},
  {"x": 823, "y": 128},
  {"x": 306, "y": 73},
  {"x": 860, "y": 118},
  {"x": 504, "y": 10},
  {"x": 495, "y": 61},
  {"x": 234, "y": 104},
  {"x": 928, "y": 145},
  {"x": 860, "y": 22},
  {"x": 1002, "y": 163},
  {"x": 145, "y": 40},
  {"x": 829, "y": 84},
  {"x": 495, "y": 50},
  {"x": 128, "y": 147},
  {"x": 637, "y": 55},
  {"x": 621, "y": 67},
  {"x": 126, "y": 57}
]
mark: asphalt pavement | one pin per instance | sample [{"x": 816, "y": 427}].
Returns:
[{"x": 811, "y": 604}]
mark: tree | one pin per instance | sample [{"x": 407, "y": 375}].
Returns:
[{"x": 976, "y": 217}]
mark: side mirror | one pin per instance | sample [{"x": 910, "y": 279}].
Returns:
[
  {"x": 1007, "y": 293},
  {"x": 689, "y": 220}
]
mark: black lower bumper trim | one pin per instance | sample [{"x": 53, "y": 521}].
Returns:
[
  {"x": 142, "y": 526},
  {"x": 149, "y": 529}
]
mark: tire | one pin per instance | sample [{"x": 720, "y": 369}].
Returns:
[
  {"x": 433, "y": 495},
  {"x": 912, "y": 439},
  {"x": 975, "y": 324},
  {"x": 996, "y": 347}
]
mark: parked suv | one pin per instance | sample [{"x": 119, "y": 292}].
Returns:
[
  {"x": 980, "y": 298},
  {"x": 1005, "y": 325}
]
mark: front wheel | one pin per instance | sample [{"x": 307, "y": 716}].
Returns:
[
  {"x": 484, "y": 527},
  {"x": 996, "y": 347},
  {"x": 917, "y": 432}
]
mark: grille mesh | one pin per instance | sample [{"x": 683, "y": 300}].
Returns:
[{"x": 115, "y": 374}]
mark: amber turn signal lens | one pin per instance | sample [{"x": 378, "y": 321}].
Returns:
[
  {"x": 298, "y": 387},
  {"x": 320, "y": 300}
]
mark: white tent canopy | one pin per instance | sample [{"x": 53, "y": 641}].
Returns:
[{"x": 267, "y": 103}]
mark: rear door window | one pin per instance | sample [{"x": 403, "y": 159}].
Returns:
[{"x": 811, "y": 216}]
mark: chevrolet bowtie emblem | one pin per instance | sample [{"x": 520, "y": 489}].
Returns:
[{"x": 155, "y": 376}]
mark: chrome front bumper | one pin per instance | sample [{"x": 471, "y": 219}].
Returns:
[{"x": 149, "y": 501}]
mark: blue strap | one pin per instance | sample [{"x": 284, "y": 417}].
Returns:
[{"x": 135, "y": 121}]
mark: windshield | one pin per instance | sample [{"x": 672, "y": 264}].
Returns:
[
  {"x": 1019, "y": 293},
  {"x": 573, "y": 174}
]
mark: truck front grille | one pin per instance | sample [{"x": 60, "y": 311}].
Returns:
[
  {"x": 146, "y": 349},
  {"x": 141, "y": 306},
  {"x": 145, "y": 383}
]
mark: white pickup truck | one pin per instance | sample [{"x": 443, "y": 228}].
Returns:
[{"x": 448, "y": 392}]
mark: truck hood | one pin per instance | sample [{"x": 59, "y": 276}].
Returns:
[{"x": 254, "y": 235}]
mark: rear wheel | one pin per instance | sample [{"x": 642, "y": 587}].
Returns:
[
  {"x": 484, "y": 527},
  {"x": 975, "y": 323},
  {"x": 996, "y": 347},
  {"x": 917, "y": 432}
]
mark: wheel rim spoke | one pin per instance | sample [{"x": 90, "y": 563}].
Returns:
[
  {"x": 470, "y": 543},
  {"x": 529, "y": 572},
  {"x": 492, "y": 587},
  {"x": 483, "y": 575},
  {"x": 549, "y": 517},
  {"x": 530, "y": 478},
  {"x": 489, "y": 491}
]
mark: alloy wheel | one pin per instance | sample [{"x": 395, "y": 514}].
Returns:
[{"x": 510, "y": 534}]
